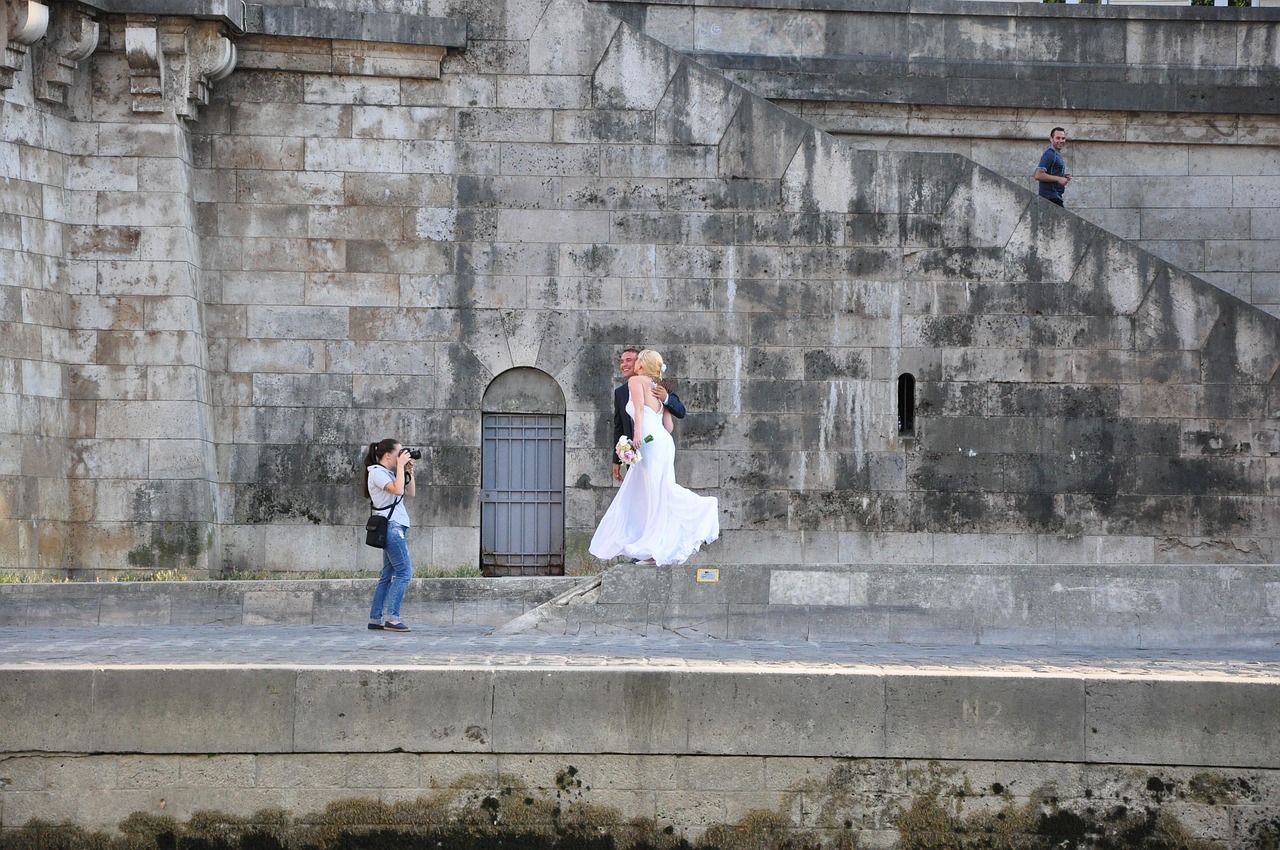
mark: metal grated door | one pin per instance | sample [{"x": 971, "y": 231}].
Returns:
[{"x": 522, "y": 495}]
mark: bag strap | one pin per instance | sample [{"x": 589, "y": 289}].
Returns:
[{"x": 390, "y": 507}]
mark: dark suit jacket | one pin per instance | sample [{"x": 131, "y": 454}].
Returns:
[{"x": 622, "y": 423}]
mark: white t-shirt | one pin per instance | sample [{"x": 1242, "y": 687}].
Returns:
[{"x": 379, "y": 478}]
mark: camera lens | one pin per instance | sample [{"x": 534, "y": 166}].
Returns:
[{"x": 415, "y": 454}]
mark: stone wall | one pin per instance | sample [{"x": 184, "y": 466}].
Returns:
[
  {"x": 638, "y": 801},
  {"x": 334, "y": 244},
  {"x": 36, "y": 420}
]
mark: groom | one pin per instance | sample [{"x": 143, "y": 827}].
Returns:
[{"x": 622, "y": 423}]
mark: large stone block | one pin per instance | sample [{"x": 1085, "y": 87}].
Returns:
[
  {"x": 263, "y": 220},
  {"x": 673, "y": 161},
  {"x": 603, "y": 126},
  {"x": 254, "y": 715},
  {"x": 515, "y": 124},
  {"x": 984, "y": 718},
  {"x": 552, "y": 226},
  {"x": 1234, "y": 722},
  {"x": 633, "y": 73},
  {"x": 445, "y": 711},
  {"x": 298, "y": 322},
  {"x": 569, "y": 39},
  {"x": 263, "y": 287},
  {"x": 271, "y": 152},
  {"x": 284, "y": 187}
]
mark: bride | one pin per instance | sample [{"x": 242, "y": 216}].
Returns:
[{"x": 652, "y": 518}]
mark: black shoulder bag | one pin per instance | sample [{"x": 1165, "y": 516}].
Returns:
[{"x": 375, "y": 530}]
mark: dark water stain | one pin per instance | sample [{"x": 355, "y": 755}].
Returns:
[
  {"x": 476, "y": 814},
  {"x": 171, "y": 545}
]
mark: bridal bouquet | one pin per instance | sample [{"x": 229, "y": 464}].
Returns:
[{"x": 628, "y": 453}]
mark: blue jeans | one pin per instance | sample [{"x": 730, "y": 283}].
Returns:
[{"x": 396, "y": 572}]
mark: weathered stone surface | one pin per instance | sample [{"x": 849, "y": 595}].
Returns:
[{"x": 321, "y": 255}]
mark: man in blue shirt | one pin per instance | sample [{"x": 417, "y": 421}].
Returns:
[{"x": 1052, "y": 171}]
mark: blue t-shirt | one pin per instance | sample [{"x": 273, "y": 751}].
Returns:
[{"x": 1053, "y": 163}]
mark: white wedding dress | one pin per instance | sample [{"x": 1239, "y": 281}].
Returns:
[{"x": 652, "y": 516}]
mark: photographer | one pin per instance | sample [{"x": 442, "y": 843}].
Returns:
[{"x": 388, "y": 480}]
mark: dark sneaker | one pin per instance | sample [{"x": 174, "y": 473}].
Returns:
[
  {"x": 395, "y": 627},
  {"x": 376, "y": 626}
]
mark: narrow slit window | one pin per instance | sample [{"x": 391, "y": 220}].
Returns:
[{"x": 906, "y": 403}]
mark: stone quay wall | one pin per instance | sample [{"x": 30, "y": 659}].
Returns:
[
  {"x": 825, "y": 755},
  {"x": 230, "y": 273}
]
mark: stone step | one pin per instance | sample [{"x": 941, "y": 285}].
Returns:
[
  {"x": 433, "y": 602},
  {"x": 1107, "y": 605},
  {"x": 1099, "y": 605}
]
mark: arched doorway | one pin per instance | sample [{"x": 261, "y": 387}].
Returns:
[{"x": 522, "y": 475}]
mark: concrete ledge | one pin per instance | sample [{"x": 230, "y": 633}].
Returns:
[
  {"x": 899, "y": 713},
  {"x": 435, "y": 602}
]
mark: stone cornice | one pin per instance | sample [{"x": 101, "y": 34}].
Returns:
[
  {"x": 71, "y": 38},
  {"x": 300, "y": 21},
  {"x": 173, "y": 61},
  {"x": 23, "y": 23},
  {"x": 229, "y": 12},
  {"x": 176, "y": 49}
]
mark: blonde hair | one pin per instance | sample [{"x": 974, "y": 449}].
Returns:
[{"x": 650, "y": 362}]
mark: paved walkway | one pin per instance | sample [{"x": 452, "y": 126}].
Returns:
[{"x": 356, "y": 646}]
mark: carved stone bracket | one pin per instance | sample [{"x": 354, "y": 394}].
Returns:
[
  {"x": 24, "y": 23},
  {"x": 173, "y": 62},
  {"x": 200, "y": 54},
  {"x": 72, "y": 37},
  {"x": 146, "y": 65}
]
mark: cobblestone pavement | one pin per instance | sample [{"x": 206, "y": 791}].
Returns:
[{"x": 473, "y": 646}]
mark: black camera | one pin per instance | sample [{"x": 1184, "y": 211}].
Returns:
[{"x": 414, "y": 454}]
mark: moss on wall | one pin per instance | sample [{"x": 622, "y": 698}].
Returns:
[{"x": 941, "y": 810}]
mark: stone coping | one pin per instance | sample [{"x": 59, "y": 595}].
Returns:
[{"x": 329, "y": 689}]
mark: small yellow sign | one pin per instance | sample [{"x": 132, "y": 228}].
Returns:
[{"x": 708, "y": 575}]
